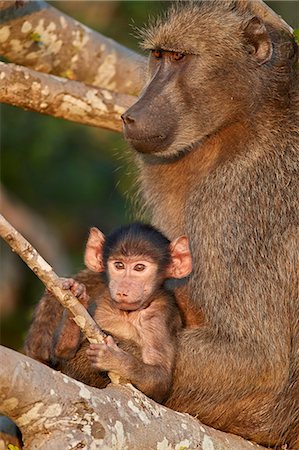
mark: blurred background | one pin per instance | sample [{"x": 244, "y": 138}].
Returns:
[{"x": 61, "y": 178}]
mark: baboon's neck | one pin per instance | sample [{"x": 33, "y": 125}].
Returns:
[{"x": 166, "y": 185}]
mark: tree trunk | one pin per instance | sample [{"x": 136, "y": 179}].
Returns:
[{"x": 54, "y": 412}]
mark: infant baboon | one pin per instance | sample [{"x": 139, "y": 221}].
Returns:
[{"x": 135, "y": 307}]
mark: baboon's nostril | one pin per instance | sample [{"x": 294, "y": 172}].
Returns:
[{"x": 127, "y": 118}]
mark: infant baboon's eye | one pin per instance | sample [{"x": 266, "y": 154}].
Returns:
[
  {"x": 119, "y": 265},
  {"x": 139, "y": 267}
]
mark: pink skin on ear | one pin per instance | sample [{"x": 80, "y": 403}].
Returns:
[
  {"x": 181, "y": 259},
  {"x": 93, "y": 257}
]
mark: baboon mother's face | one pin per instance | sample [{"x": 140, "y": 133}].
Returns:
[{"x": 203, "y": 74}]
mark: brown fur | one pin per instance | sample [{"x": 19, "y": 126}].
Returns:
[
  {"x": 192, "y": 317},
  {"x": 223, "y": 168}
]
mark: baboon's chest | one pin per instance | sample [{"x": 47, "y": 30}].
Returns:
[{"x": 168, "y": 188}]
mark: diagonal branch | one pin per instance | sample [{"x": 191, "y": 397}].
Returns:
[{"x": 58, "y": 97}]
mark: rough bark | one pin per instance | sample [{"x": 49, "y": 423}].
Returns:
[
  {"x": 39, "y": 36},
  {"x": 52, "y": 282},
  {"x": 62, "y": 98},
  {"x": 54, "y": 411}
]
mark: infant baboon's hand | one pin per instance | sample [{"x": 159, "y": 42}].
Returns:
[
  {"x": 106, "y": 356},
  {"x": 78, "y": 289}
]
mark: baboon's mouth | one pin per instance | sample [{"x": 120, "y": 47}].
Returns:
[
  {"x": 126, "y": 306},
  {"x": 147, "y": 144},
  {"x": 138, "y": 139}
]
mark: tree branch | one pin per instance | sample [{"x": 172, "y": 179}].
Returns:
[
  {"x": 54, "y": 411},
  {"x": 39, "y": 36},
  {"x": 52, "y": 282},
  {"x": 62, "y": 98}
]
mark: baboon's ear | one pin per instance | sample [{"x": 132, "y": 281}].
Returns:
[
  {"x": 181, "y": 261},
  {"x": 258, "y": 41},
  {"x": 93, "y": 257}
]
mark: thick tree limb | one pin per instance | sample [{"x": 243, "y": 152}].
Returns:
[
  {"x": 39, "y": 36},
  {"x": 54, "y": 412},
  {"x": 62, "y": 98},
  {"x": 52, "y": 282}
]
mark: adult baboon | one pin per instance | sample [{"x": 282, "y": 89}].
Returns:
[{"x": 216, "y": 131}]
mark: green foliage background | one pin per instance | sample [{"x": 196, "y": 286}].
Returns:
[{"x": 74, "y": 176}]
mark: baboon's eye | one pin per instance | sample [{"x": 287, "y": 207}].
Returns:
[
  {"x": 139, "y": 267},
  {"x": 119, "y": 265},
  {"x": 157, "y": 53},
  {"x": 177, "y": 56}
]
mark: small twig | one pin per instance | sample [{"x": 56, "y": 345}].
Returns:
[{"x": 52, "y": 282}]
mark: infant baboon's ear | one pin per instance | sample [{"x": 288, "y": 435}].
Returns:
[
  {"x": 258, "y": 41},
  {"x": 93, "y": 257},
  {"x": 181, "y": 260}
]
